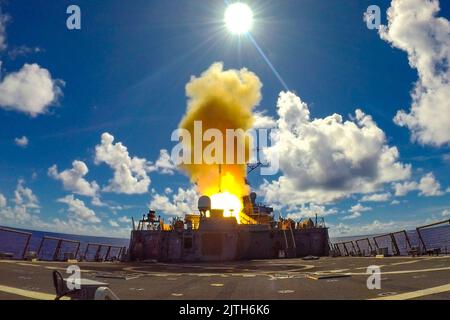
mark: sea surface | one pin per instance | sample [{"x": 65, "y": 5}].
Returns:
[{"x": 14, "y": 243}]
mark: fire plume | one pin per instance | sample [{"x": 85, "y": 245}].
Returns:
[{"x": 220, "y": 100}]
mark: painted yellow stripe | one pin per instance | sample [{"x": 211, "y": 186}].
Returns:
[
  {"x": 29, "y": 294},
  {"x": 417, "y": 294},
  {"x": 28, "y": 264}
]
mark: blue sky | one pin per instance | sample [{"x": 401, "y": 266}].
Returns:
[{"x": 125, "y": 72}]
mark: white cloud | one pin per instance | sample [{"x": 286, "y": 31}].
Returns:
[
  {"x": 130, "y": 174},
  {"x": 310, "y": 211},
  {"x": 113, "y": 224},
  {"x": 73, "y": 179},
  {"x": 25, "y": 213},
  {"x": 428, "y": 186},
  {"x": 395, "y": 202},
  {"x": 21, "y": 142},
  {"x": 15, "y": 52},
  {"x": 30, "y": 90},
  {"x": 414, "y": 27},
  {"x": 355, "y": 211},
  {"x": 402, "y": 189},
  {"x": 359, "y": 208},
  {"x": 168, "y": 190},
  {"x": 376, "y": 197},
  {"x": 263, "y": 121},
  {"x": 26, "y": 206},
  {"x": 164, "y": 164},
  {"x": 354, "y": 215},
  {"x": 3, "y": 201},
  {"x": 25, "y": 197},
  {"x": 77, "y": 210},
  {"x": 375, "y": 227},
  {"x": 124, "y": 219},
  {"x": 446, "y": 213},
  {"x": 176, "y": 205},
  {"x": 73, "y": 226},
  {"x": 326, "y": 159}
]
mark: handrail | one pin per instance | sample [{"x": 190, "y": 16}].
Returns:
[{"x": 27, "y": 242}]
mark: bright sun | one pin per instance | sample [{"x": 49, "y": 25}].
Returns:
[{"x": 239, "y": 18}]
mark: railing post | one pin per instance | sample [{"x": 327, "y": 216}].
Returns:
[
  {"x": 40, "y": 246},
  {"x": 346, "y": 250},
  {"x": 77, "y": 250},
  {"x": 107, "y": 253},
  {"x": 25, "y": 249},
  {"x": 421, "y": 239},
  {"x": 354, "y": 249},
  {"x": 376, "y": 243},
  {"x": 338, "y": 250},
  {"x": 370, "y": 245},
  {"x": 97, "y": 254},
  {"x": 86, "y": 251},
  {"x": 407, "y": 239},
  {"x": 359, "y": 249},
  {"x": 395, "y": 244},
  {"x": 58, "y": 248}
]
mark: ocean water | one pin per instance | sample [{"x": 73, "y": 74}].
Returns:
[
  {"x": 434, "y": 237},
  {"x": 14, "y": 243}
]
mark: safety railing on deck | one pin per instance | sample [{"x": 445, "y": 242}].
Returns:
[
  {"x": 103, "y": 252},
  {"x": 15, "y": 244},
  {"x": 51, "y": 248},
  {"x": 10, "y": 243},
  {"x": 428, "y": 239}
]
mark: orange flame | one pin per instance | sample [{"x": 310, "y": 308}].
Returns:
[{"x": 221, "y": 100}]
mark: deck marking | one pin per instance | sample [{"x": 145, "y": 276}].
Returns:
[
  {"x": 406, "y": 262},
  {"x": 28, "y": 264},
  {"x": 285, "y": 291},
  {"x": 65, "y": 269},
  {"x": 402, "y": 271},
  {"x": 28, "y": 293},
  {"x": 319, "y": 276},
  {"x": 216, "y": 284},
  {"x": 417, "y": 294},
  {"x": 340, "y": 270}
]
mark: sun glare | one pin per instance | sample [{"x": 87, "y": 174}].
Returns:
[{"x": 239, "y": 18}]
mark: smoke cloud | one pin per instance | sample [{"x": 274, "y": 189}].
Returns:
[{"x": 221, "y": 100}]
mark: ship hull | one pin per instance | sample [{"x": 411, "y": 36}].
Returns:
[{"x": 222, "y": 242}]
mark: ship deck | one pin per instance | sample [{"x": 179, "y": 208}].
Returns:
[{"x": 326, "y": 278}]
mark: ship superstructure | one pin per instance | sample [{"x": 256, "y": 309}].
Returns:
[{"x": 211, "y": 236}]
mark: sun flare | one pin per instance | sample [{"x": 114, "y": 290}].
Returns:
[{"x": 239, "y": 18}]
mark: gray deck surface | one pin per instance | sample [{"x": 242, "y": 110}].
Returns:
[{"x": 255, "y": 280}]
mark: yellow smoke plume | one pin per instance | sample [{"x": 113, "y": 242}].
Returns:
[{"x": 220, "y": 99}]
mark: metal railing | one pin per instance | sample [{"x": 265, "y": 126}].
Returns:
[
  {"x": 393, "y": 242},
  {"x": 27, "y": 235},
  {"x": 57, "y": 250},
  {"x": 99, "y": 247},
  {"x": 53, "y": 248}
]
